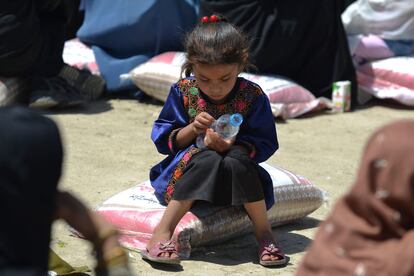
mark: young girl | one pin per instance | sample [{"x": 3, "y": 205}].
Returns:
[{"x": 226, "y": 172}]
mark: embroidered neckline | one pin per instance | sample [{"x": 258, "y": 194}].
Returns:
[
  {"x": 240, "y": 99},
  {"x": 226, "y": 99}
]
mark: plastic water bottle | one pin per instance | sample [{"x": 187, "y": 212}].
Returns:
[{"x": 227, "y": 126}]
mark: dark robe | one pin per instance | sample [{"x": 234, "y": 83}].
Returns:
[
  {"x": 302, "y": 40},
  {"x": 30, "y": 167},
  {"x": 32, "y": 34}
]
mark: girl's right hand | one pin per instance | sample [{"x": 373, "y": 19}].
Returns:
[
  {"x": 202, "y": 122},
  {"x": 215, "y": 142}
]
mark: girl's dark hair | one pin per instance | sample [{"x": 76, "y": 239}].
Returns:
[{"x": 215, "y": 43}]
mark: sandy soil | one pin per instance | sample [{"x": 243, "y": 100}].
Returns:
[{"x": 108, "y": 149}]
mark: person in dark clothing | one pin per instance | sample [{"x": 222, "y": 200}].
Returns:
[
  {"x": 32, "y": 36},
  {"x": 31, "y": 157},
  {"x": 301, "y": 40}
]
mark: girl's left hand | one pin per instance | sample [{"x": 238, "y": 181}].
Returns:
[{"x": 213, "y": 141}]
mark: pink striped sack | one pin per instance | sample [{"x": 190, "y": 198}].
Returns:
[
  {"x": 391, "y": 78},
  {"x": 136, "y": 211},
  {"x": 368, "y": 48},
  {"x": 288, "y": 99}
]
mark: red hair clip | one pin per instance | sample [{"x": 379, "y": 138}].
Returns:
[{"x": 212, "y": 18}]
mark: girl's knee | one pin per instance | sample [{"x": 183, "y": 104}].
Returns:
[
  {"x": 209, "y": 155},
  {"x": 207, "y": 158},
  {"x": 237, "y": 160},
  {"x": 231, "y": 162}
]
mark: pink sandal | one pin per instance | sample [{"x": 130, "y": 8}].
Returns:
[
  {"x": 270, "y": 248},
  {"x": 154, "y": 253}
]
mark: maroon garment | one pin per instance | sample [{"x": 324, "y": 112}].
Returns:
[{"x": 370, "y": 230}]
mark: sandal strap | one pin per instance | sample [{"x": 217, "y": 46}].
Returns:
[
  {"x": 162, "y": 247},
  {"x": 168, "y": 246},
  {"x": 270, "y": 248}
]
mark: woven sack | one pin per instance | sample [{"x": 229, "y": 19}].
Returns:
[
  {"x": 136, "y": 211},
  {"x": 391, "y": 78}
]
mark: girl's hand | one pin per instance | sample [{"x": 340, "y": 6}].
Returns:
[
  {"x": 213, "y": 141},
  {"x": 202, "y": 122}
]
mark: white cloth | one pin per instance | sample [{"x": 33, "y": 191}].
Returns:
[{"x": 389, "y": 19}]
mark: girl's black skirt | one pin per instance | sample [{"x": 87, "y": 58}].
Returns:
[{"x": 222, "y": 179}]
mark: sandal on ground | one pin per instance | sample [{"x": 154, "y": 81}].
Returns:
[
  {"x": 154, "y": 253},
  {"x": 270, "y": 248}
]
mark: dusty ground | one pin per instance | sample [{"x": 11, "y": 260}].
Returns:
[{"x": 108, "y": 149}]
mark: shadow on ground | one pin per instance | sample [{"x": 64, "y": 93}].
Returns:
[
  {"x": 96, "y": 107},
  {"x": 101, "y": 105},
  {"x": 244, "y": 249},
  {"x": 165, "y": 267},
  {"x": 387, "y": 103}
]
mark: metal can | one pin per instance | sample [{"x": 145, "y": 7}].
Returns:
[{"x": 341, "y": 96}]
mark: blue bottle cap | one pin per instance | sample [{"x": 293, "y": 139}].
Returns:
[{"x": 236, "y": 119}]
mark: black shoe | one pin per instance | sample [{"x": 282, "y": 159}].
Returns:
[
  {"x": 90, "y": 86},
  {"x": 12, "y": 90},
  {"x": 54, "y": 92}
]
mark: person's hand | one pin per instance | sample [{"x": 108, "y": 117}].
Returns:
[
  {"x": 76, "y": 214},
  {"x": 202, "y": 122},
  {"x": 111, "y": 258},
  {"x": 213, "y": 141}
]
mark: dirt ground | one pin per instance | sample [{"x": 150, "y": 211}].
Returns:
[{"x": 108, "y": 149}]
